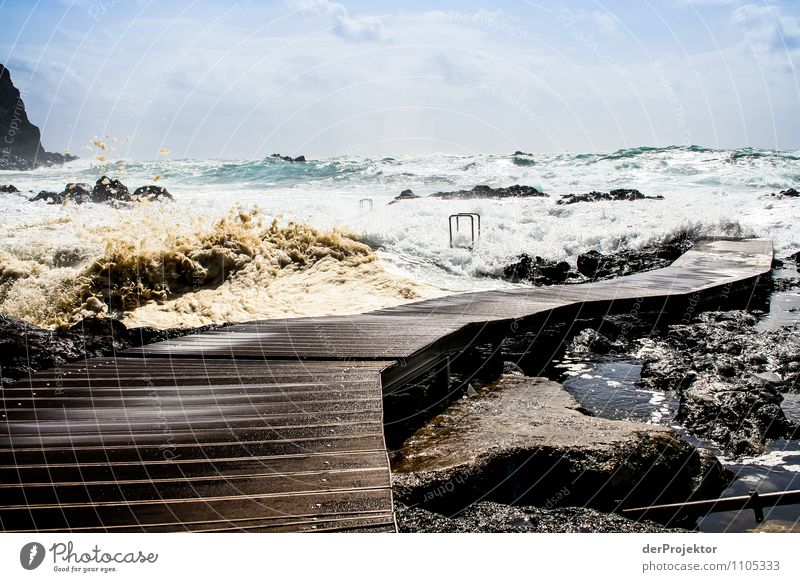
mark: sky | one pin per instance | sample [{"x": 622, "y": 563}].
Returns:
[{"x": 208, "y": 79}]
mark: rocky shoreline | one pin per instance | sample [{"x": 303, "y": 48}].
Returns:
[
  {"x": 21, "y": 147},
  {"x": 106, "y": 190},
  {"x": 593, "y": 265},
  {"x": 728, "y": 375},
  {"x": 525, "y": 442},
  {"x": 520, "y": 454},
  {"x": 26, "y": 348}
]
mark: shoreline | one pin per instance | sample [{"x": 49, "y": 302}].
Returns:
[{"x": 99, "y": 329}]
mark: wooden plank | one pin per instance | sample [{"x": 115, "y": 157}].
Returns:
[
  {"x": 269, "y": 425},
  {"x": 268, "y": 446}
]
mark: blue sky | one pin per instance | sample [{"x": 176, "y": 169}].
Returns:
[{"x": 246, "y": 79}]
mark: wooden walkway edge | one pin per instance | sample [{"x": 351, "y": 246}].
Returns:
[{"x": 277, "y": 425}]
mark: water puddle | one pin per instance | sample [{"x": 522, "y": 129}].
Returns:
[{"x": 607, "y": 388}]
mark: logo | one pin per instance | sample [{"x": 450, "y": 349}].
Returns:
[{"x": 31, "y": 555}]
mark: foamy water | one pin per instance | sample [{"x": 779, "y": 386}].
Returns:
[{"x": 712, "y": 192}]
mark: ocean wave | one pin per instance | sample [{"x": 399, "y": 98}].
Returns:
[{"x": 197, "y": 278}]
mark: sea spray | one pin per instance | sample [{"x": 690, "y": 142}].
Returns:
[{"x": 209, "y": 275}]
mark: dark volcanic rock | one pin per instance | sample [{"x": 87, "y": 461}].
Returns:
[
  {"x": 595, "y": 265},
  {"x": 481, "y": 191},
  {"x": 728, "y": 375},
  {"x": 76, "y": 193},
  {"x": 20, "y": 140},
  {"x": 788, "y": 193},
  {"x": 524, "y": 441},
  {"x": 591, "y": 341},
  {"x": 49, "y": 197},
  {"x": 8, "y": 188},
  {"x": 289, "y": 158},
  {"x": 25, "y": 348},
  {"x": 538, "y": 271},
  {"x": 521, "y": 153},
  {"x": 152, "y": 193},
  {"x": 489, "y": 517},
  {"x": 107, "y": 189},
  {"x": 515, "y": 191},
  {"x": 404, "y": 195},
  {"x": 594, "y": 196}
]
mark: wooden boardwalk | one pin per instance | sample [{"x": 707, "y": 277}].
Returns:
[{"x": 277, "y": 425}]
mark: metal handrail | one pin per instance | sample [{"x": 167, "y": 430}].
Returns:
[
  {"x": 473, "y": 216},
  {"x": 363, "y": 200},
  {"x": 754, "y": 500}
]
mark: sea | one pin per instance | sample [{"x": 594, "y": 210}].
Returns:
[{"x": 322, "y": 237}]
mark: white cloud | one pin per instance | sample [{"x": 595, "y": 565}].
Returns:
[
  {"x": 770, "y": 32},
  {"x": 367, "y": 29}
]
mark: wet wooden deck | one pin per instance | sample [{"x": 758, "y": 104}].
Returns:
[{"x": 276, "y": 425}]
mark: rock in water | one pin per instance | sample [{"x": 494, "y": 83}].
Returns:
[
  {"x": 481, "y": 191},
  {"x": 538, "y": 271},
  {"x": 788, "y": 193},
  {"x": 404, "y": 195},
  {"x": 595, "y": 265},
  {"x": 21, "y": 147},
  {"x": 152, "y": 193},
  {"x": 729, "y": 377},
  {"x": 107, "y": 189},
  {"x": 594, "y": 196},
  {"x": 8, "y": 188},
  {"x": 289, "y": 158},
  {"x": 49, "y": 197},
  {"x": 524, "y": 441}
]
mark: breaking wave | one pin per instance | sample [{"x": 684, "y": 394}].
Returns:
[{"x": 225, "y": 272}]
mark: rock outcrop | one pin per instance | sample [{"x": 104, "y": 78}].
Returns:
[
  {"x": 594, "y": 265},
  {"x": 525, "y": 441},
  {"x": 77, "y": 193},
  {"x": 289, "y": 158},
  {"x": 151, "y": 193},
  {"x": 405, "y": 195},
  {"x": 488, "y": 517},
  {"x": 20, "y": 140},
  {"x": 105, "y": 190},
  {"x": 25, "y": 348},
  {"x": 728, "y": 375},
  {"x": 788, "y": 193},
  {"x": 481, "y": 191},
  {"x": 594, "y": 196},
  {"x": 478, "y": 192},
  {"x": 8, "y": 189},
  {"x": 539, "y": 271}
]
